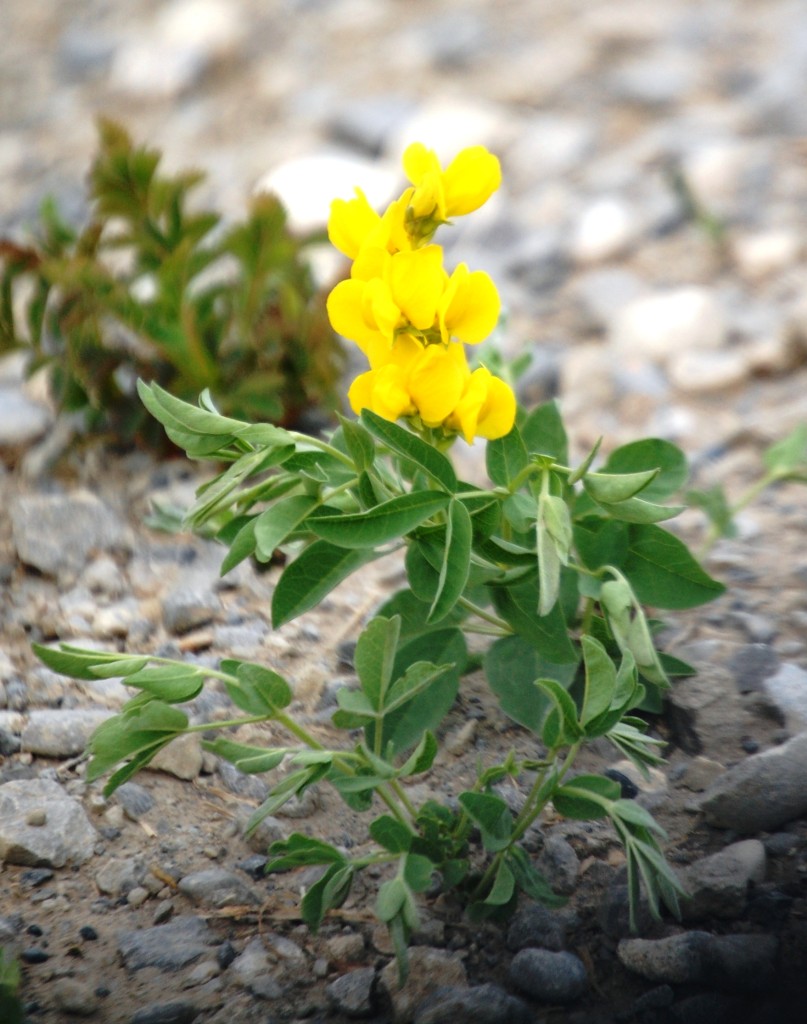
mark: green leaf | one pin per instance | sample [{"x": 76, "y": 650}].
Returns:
[
  {"x": 76, "y": 662},
  {"x": 566, "y": 707},
  {"x": 388, "y": 521},
  {"x": 543, "y": 432},
  {"x": 423, "y": 577},
  {"x": 259, "y": 690},
  {"x": 418, "y": 871},
  {"x": 294, "y": 784},
  {"x": 521, "y": 511},
  {"x": 651, "y": 454},
  {"x": 530, "y": 880},
  {"x": 122, "y": 667},
  {"x": 391, "y": 897},
  {"x": 636, "y": 510},
  {"x": 311, "y": 577},
  {"x": 512, "y": 665},
  {"x": 585, "y": 465},
  {"x": 663, "y": 573},
  {"x": 713, "y": 501},
  {"x": 788, "y": 456},
  {"x": 600, "y": 684},
  {"x": 601, "y": 542},
  {"x": 549, "y": 634},
  {"x": 506, "y": 457},
  {"x": 586, "y": 797},
  {"x": 327, "y": 893},
  {"x": 493, "y": 817},
  {"x": 413, "y": 614},
  {"x": 628, "y": 623},
  {"x": 375, "y": 657},
  {"x": 503, "y": 887},
  {"x": 633, "y": 813},
  {"x": 612, "y": 488},
  {"x": 415, "y": 682},
  {"x": 300, "y": 850},
  {"x": 422, "y": 757},
  {"x": 403, "y": 442},
  {"x": 174, "y": 684},
  {"x": 144, "y": 728},
  {"x": 274, "y": 525},
  {"x": 554, "y": 539},
  {"x": 171, "y": 411},
  {"x": 241, "y": 546},
  {"x": 359, "y": 444},
  {"x": 247, "y": 759},
  {"x": 456, "y": 561},
  {"x": 391, "y": 834}
]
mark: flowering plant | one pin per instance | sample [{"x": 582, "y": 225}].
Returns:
[{"x": 552, "y": 563}]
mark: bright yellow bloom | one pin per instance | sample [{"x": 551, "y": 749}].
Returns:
[
  {"x": 469, "y": 181},
  {"x": 353, "y": 225},
  {"x": 486, "y": 409},
  {"x": 469, "y": 307}
]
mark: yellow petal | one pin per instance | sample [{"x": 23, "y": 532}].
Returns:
[
  {"x": 351, "y": 222},
  {"x": 347, "y": 313},
  {"x": 417, "y": 280},
  {"x": 470, "y": 180},
  {"x": 470, "y": 306},
  {"x": 371, "y": 261},
  {"x": 498, "y": 412},
  {"x": 390, "y": 397},
  {"x": 465, "y": 416},
  {"x": 437, "y": 380},
  {"x": 360, "y": 393}
]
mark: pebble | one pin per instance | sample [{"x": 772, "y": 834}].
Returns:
[
  {"x": 428, "y": 969},
  {"x": 483, "y": 1004},
  {"x": 752, "y": 664},
  {"x": 549, "y": 976},
  {"x": 22, "y": 420},
  {"x": 166, "y": 1013},
  {"x": 65, "y": 837},
  {"x": 118, "y": 875},
  {"x": 252, "y": 962},
  {"x": 787, "y": 688},
  {"x": 762, "y": 792},
  {"x": 135, "y": 800},
  {"x": 60, "y": 733},
  {"x": 354, "y": 993},
  {"x": 181, "y": 758},
  {"x": 697, "y": 372},
  {"x": 345, "y": 947},
  {"x": 75, "y": 997},
  {"x": 535, "y": 925},
  {"x": 168, "y": 947},
  {"x": 700, "y": 773},
  {"x": 666, "y": 324},
  {"x": 717, "y": 886},
  {"x": 602, "y": 293},
  {"x": 676, "y": 960},
  {"x": 217, "y": 887},
  {"x": 55, "y": 533},
  {"x": 604, "y": 230},
  {"x": 558, "y": 863},
  {"x": 764, "y": 253},
  {"x": 186, "y": 607}
]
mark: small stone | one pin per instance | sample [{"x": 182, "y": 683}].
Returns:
[
  {"x": 36, "y": 818},
  {"x": 34, "y": 955},
  {"x": 762, "y": 792},
  {"x": 251, "y": 963},
  {"x": 600, "y": 294},
  {"x": 88, "y": 933},
  {"x": 217, "y": 887},
  {"x": 652, "y": 789},
  {"x": 537, "y": 926},
  {"x": 137, "y": 897},
  {"x": 558, "y": 863},
  {"x": 766, "y": 252},
  {"x": 134, "y": 799},
  {"x": 345, "y": 947},
  {"x": 605, "y": 229},
  {"x": 752, "y": 664},
  {"x": 787, "y": 688},
  {"x": 66, "y": 836},
  {"x": 22, "y": 420},
  {"x": 677, "y": 960},
  {"x": 60, "y": 733},
  {"x": 458, "y": 740},
  {"x": 697, "y": 372},
  {"x": 119, "y": 875},
  {"x": 354, "y": 993},
  {"x": 717, "y": 886},
  {"x": 74, "y": 997},
  {"x": 167, "y": 946},
  {"x": 182, "y": 757},
  {"x": 428, "y": 970},
  {"x": 482, "y": 1004},
  {"x": 166, "y": 1013},
  {"x": 664, "y": 324},
  {"x": 700, "y": 773},
  {"x": 265, "y": 987},
  {"x": 187, "y": 607},
  {"x": 35, "y": 877},
  {"x": 549, "y": 976}
]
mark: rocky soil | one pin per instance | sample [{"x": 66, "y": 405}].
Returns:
[{"x": 645, "y": 313}]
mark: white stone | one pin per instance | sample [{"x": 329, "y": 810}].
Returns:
[
  {"x": 449, "y": 125},
  {"x": 766, "y": 252},
  {"x": 307, "y": 185},
  {"x": 714, "y": 170},
  {"x": 788, "y": 690},
  {"x": 21, "y": 420},
  {"x": 605, "y": 229},
  {"x": 657, "y": 326},
  {"x": 705, "y": 372}
]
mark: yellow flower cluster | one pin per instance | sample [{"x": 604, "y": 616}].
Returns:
[{"x": 407, "y": 314}]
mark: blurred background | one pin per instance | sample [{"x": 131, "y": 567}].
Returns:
[{"x": 648, "y": 238}]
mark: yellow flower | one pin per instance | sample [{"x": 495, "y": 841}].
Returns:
[
  {"x": 487, "y": 408},
  {"x": 468, "y": 181},
  {"x": 469, "y": 307},
  {"x": 354, "y": 225}
]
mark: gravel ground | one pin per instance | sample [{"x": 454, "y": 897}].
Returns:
[{"x": 152, "y": 907}]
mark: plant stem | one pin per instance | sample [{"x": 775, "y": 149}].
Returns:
[
  {"x": 323, "y": 446},
  {"x": 486, "y": 615},
  {"x": 714, "y": 533},
  {"x": 392, "y": 803},
  {"x": 402, "y": 795}
]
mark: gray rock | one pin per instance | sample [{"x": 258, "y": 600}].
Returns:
[
  {"x": 167, "y": 946},
  {"x": 429, "y": 969},
  {"x": 762, "y": 792},
  {"x": 182, "y": 757},
  {"x": 717, "y": 886},
  {"x": 134, "y": 799},
  {"x": 535, "y": 925},
  {"x": 252, "y": 963},
  {"x": 483, "y": 1004},
  {"x": 60, "y": 733},
  {"x": 240, "y": 783},
  {"x": 657, "y": 79},
  {"x": 217, "y": 887},
  {"x": 22, "y": 421},
  {"x": 354, "y": 994},
  {"x": 119, "y": 875},
  {"x": 695, "y": 372},
  {"x": 75, "y": 997},
  {"x": 186, "y": 607},
  {"x": 663, "y": 324},
  {"x": 266, "y": 986},
  {"x": 600, "y": 295},
  {"x": 65, "y": 835},
  {"x": 166, "y": 1013},
  {"x": 676, "y": 960},
  {"x": 787, "y": 688},
  {"x": 613, "y": 912},
  {"x": 55, "y": 533},
  {"x": 558, "y": 863},
  {"x": 548, "y": 976},
  {"x": 367, "y": 123},
  {"x": 752, "y": 664}
]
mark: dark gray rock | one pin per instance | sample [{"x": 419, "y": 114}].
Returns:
[
  {"x": 266, "y": 986},
  {"x": 613, "y": 912},
  {"x": 752, "y": 664},
  {"x": 217, "y": 887},
  {"x": 41, "y": 826},
  {"x": 548, "y": 976},
  {"x": 717, "y": 886},
  {"x": 134, "y": 799},
  {"x": 166, "y": 1013},
  {"x": 537, "y": 926},
  {"x": 483, "y": 1004},
  {"x": 558, "y": 863},
  {"x": 354, "y": 994},
  {"x": 762, "y": 792},
  {"x": 167, "y": 946},
  {"x": 186, "y": 607}
]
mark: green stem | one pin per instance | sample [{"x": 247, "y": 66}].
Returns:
[
  {"x": 745, "y": 499},
  {"x": 481, "y": 613},
  {"x": 402, "y": 795},
  {"x": 323, "y": 446},
  {"x": 233, "y": 723},
  {"x": 392, "y": 803}
]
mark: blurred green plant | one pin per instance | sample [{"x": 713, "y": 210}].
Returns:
[
  {"x": 151, "y": 287},
  {"x": 11, "y": 1011}
]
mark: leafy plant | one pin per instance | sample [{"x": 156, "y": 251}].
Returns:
[
  {"x": 153, "y": 287},
  {"x": 553, "y": 563},
  {"x": 11, "y": 1010}
]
